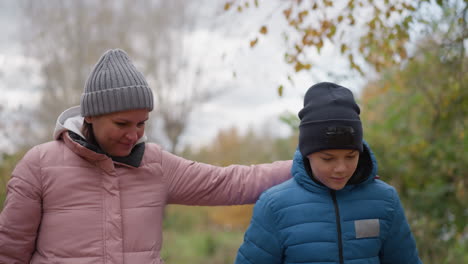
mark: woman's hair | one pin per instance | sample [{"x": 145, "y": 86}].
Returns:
[{"x": 88, "y": 133}]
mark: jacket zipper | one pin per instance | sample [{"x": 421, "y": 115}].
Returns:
[{"x": 338, "y": 225}]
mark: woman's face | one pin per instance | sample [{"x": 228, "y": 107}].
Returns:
[
  {"x": 334, "y": 167},
  {"x": 117, "y": 133}
]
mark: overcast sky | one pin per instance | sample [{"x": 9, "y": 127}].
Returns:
[{"x": 251, "y": 102}]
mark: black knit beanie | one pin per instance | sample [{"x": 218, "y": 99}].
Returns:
[{"x": 329, "y": 120}]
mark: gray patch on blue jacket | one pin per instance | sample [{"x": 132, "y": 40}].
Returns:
[{"x": 367, "y": 228}]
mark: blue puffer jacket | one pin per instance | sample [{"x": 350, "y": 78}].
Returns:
[{"x": 303, "y": 221}]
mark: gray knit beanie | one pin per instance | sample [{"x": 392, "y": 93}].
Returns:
[{"x": 115, "y": 85}]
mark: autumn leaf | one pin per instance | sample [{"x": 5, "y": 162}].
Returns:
[
  {"x": 409, "y": 7},
  {"x": 343, "y": 48},
  {"x": 319, "y": 45},
  {"x": 372, "y": 24},
  {"x": 290, "y": 79},
  {"x": 300, "y": 66},
  {"x": 280, "y": 90},
  {"x": 263, "y": 30},
  {"x": 332, "y": 31},
  {"x": 298, "y": 49},
  {"x": 287, "y": 13},
  {"x": 253, "y": 42},
  {"x": 351, "y": 20},
  {"x": 302, "y": 15}
]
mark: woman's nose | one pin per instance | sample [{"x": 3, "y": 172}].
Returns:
[{"x": 132, "y": 135}]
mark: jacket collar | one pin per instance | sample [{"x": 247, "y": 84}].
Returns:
[
  {"x": 133, "y": 159},
  {"x": 365, "y": 172}
]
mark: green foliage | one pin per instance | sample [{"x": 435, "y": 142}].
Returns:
[
  {"x": 292, "y": 120},
  {"x": 416, "y": 120},
  {"x": 7, "y": 164},
  {"x": 191, "y": 237}
]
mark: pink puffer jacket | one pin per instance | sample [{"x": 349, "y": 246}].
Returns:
[{"x": 68, "y": 204}]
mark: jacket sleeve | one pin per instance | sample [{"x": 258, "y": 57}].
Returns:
[
  {"x": 261, "y": 241},
  {"x": 21, "y": 214},
  {"x": 194, "y": 183},
  {"x": 400, "y": 246}
]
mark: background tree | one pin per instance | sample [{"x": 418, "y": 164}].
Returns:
[
  {"x": 67, "y": 38},
  {"x": 417, "y": 118},
  {"x": 371, "y": 34},
  {"x": 180, "y": 83}
]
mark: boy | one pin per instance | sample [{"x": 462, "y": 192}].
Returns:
[{"x": 334, "y": 210}]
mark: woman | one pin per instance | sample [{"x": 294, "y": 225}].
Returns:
[
  {"x": 334, "y": 210},
  {"x": 96, "y": 194}
]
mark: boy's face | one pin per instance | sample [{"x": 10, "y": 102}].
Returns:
[{"x": 334, "y": 167}]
